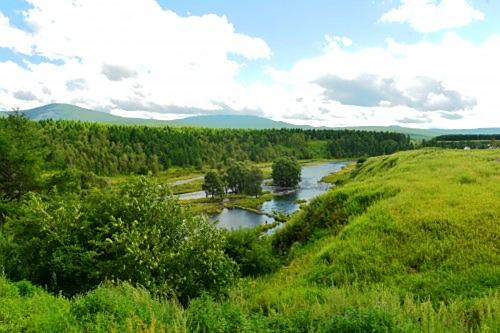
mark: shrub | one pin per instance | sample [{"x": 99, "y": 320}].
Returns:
[
  {"x": 251, "y": 251},
  {"x": 137, "y": 233}
]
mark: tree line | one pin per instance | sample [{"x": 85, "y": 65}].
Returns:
[
  {"x": 113, "y": 149},
  {"x": 460, "y": 141}
]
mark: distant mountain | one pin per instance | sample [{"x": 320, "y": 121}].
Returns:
[
  {"x": 72, "y": 112},
  {"x": 235, "y": 121}
]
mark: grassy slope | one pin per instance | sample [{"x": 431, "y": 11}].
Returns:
[{"x": 432, "y": 236}]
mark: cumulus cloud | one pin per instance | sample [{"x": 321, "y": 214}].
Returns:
[
  {"x": 95, "y": 51},
  {"x": 25, "y": 95},
  {"x": 408, "y": 120},
  {"x": 433, "y": 15},
  {"x": 423, "y": 93},
  {"x": 139, "y": 57},
  {"x": 117, "y": 73},
  {"x": 451, "y": 116},
  {"x": 397, "y": 81},
  {"x": 76, "y": 84}
]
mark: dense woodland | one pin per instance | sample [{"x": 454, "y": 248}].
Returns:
[
  {"x": 460, "y": 141},
  {"x": 111, "y": 150}
]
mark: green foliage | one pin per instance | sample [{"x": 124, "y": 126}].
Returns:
[
  {"x": 123, "y": 308},
  {"x": 358, "y": 143},
  {"x": 253, "y": 181},
  {"x": 73, "y": 180},
  {"x": 360, "y": 321},
  {"x": 112, "y": 149},
  {"x": 21, "y": 156},
  {"x": 108, "y": 308},
  {"x": 243, "y": 177},
  {"x": 251, "y": 251},
  {"x": 205, "y": 316},
  {"x": 213, "y": 184},
  {"x": 286, "y": 172},
  {"x": 137, "y": 233},
  {"x": 235, "y": 176}
]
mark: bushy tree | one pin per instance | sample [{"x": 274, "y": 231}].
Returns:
[
  {"x": 213, "y": 184},
  {"x": 286, "y": 172},
  {"x": 253, "y": 181},
  {"x": 138, "y": 233},
  {"x": 235, "y": 176},
  {"x": 243, "y": 177}
]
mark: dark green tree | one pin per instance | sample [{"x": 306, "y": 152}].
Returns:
[
  {"x": 235, "y": 177},
  {"x": 21, "y": 156},
  {"x": 286, "y": 172},
  {"x": 213, "y": 185},
  {"x": 253, "y": 181}
]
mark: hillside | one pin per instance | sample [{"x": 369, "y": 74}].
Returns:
[
  {"x": 73, "y": 112},
  {"x": 402, "y": 234},
  {"x": 235, "y": 121}
]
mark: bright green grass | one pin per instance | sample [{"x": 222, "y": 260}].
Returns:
[{"x": 427, "y": 254}]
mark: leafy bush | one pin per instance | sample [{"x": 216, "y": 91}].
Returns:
[
  {"x": 251, "y": 251},
  {"x": 137, "y": 233}
]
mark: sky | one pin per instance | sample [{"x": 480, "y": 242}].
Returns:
[{"x": 412, "y": 63}]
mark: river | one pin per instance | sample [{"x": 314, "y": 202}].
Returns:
[{"x": 310, "y": 186}]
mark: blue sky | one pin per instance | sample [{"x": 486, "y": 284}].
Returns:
[{"x": 418, "y": 63}]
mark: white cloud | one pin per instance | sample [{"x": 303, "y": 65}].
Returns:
[
  {"x": 431, "y": 15},
  {"x": 118, "y": 49},
  {"x": 14, "y": 38},
  {"x": 453, "y": 81},
  {"x": 133, "y": 56}
]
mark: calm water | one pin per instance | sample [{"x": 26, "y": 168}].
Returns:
[
  {"x": 239, "y": 218},
  {"x": 309, "y": 187}
]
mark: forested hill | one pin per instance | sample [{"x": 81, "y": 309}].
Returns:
[
  {"x": 235, "y": 121},
  {"x": 72, "y": 112},
  {"x": 58, "y": 111},
  {"x": 112, "y": 149}
]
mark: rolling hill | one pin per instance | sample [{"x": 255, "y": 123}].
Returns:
[
  {"x": 235, "y": 121},
  {"x": 72, "y": 112}
]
